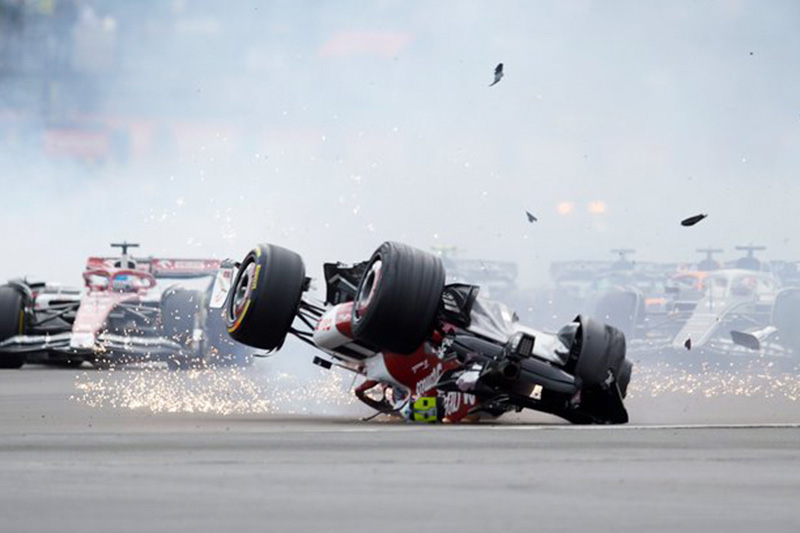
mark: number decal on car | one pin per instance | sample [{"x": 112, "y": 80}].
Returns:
[{"x": 425, "y": 409}]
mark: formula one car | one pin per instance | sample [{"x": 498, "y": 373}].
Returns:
[
  {"x": 428, "y": 351},
  {"x": 715, "y": 309},
  {"x": 584, "y": 285},
  {"x": 131, "y": 310},
  {"x": 742, "y": 312},
  {"x": 622, "y": 293}
]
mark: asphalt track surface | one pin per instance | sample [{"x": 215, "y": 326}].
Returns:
[{"x": 69, "y": 466}]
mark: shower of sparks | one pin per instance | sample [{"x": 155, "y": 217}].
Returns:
[
  {"x": 228, "y": 391},
  {"x": 763, "y": 381},
  {"x": 218, "y": 391}
]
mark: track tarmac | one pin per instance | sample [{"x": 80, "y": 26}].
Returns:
[{"x": 684, "y": 463}]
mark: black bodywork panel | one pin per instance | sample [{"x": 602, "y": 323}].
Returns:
[{"x": 341, "y": 281}]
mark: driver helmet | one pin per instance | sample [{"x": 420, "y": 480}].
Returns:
[{"x": 123, "y": 283}]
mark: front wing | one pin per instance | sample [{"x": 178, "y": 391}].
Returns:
[{"x": 103, "y": 345}]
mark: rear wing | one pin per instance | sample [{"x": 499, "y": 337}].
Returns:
[
  {"x": 579, "y": 270},
  {"x": 158, "y": 267},
  {"x": 564, "y": 271},
  {"x": 479, "y": 270},
  {"x": 177, "y": 267}
]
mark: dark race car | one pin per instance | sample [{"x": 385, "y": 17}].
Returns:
[
  {"x": 429, "y": 351},
  {"x": 741, "y": 310},
  {"x": 649, "y": 300},
  {"x": 130, "y": 310}
]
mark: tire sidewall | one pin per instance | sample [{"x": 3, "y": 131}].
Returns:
[
  {"x": 221, "y": 349},
  {"x": 602, "y": 349},
  {"x": 261, "y": 316},
  {"x": 12, "y": 322},
  {"x": 180, "y": 309}
]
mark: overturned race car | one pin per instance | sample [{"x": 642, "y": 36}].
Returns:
[
  {"x": 130, "y": 310},
  {"x": 428, "y": 351}
]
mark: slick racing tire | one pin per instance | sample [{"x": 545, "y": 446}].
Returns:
[
  {"x": 624, "y": 377},
  {"x": 621, "y": 309},
  {"x": 397, "y": 298},
  {"x": 786, "y": 317},
  {"x": 602, "y": 349},
  {"x": 180, "y": 308},
  {"x": 12, "y": 305},
  {"x": 221, "y": 349},
  {"x": 265, "y": 296}
]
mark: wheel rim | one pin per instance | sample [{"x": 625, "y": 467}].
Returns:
[
  {"x": 367, "y": 289},
  {"x": 241, "y": 294}
]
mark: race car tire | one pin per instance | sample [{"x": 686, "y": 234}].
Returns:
[
  {"x": 786, "y": 317},
  {"x": 621, "y": 309},
  {"x": 221, "y": 349},
  {"x": 601, "y": 349},
  {"x": 624, "y": 377},
  {"x": 180, "y": 309},
  {"x": 265, "y": 296},
  {"x": 12, "y": 322},
  {"x": 397, "y": 298}
]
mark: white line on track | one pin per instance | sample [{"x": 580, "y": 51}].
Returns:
[
  {"x": 439, "y": 428},
  {"x": 532, "y": 427},
  {"x": 639, "y": 427}
]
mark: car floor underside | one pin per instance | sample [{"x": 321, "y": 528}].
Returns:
[
  {"x": 132, "y": 332},
  {"x": 502, "y": 382},
  {"x": 478, "y": 363}
]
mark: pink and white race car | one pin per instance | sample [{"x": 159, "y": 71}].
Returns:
[{"x": 130, "y": 310}]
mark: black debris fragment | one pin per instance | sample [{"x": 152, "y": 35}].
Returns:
[
  {"x": 688, "y": 344},
  {"x": 691, "y": 221},
  {"x": 498, "y": 74},
  {"x": 531, "y": 217}
]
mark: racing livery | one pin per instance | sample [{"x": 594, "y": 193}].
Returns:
[
  {"x": 428, "y": 351},
  {"x": 130, "y": 310},
  {"x": 741, "y": 308}
]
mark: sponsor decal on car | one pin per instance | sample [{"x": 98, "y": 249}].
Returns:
[
  {"x": 429, "y": 382},
  {"x": 422, "y": 365},
  {"x": 536, "y": 393},
  {"x": 455, "y": 401}
]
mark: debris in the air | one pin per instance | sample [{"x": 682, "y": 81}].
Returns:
[
  {"x": 691, "y": 221},
  {"x": 688, "y": 344},
  {"x": 498, "y": 73},
  {"x": 531, "y": 217},
  {"x": 748, "y": 340}
]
